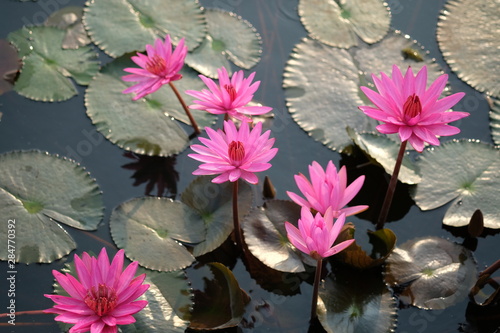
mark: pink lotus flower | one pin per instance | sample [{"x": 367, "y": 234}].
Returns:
[
  {"x": 327, "y": 189},
  {"x": 406, "y": 107},
  {"x": 160, "y": 66},
  {"x": 234, "y": 153},
  {"x": 102, "y": 298},
  {"x": 316, "y": 235},
  {"x": 230, "y": 97}
]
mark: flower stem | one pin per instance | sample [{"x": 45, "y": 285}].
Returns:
[
  {"x": 18, "y": 313},
  {"x": 392, "y": 188},
  {"x": 317, "y": 279},
  {"x": 185, "y": 107},
  {"x": 236, "y": 220}
]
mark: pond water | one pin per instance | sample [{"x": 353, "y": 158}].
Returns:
[{"x": 63, "y": 128}]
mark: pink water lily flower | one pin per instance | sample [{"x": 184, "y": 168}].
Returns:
[
  {"x": 327, "y": 189},
  {"x": 316, "y": 234},
  {"x": 233, "y": 153},
  {"x": 102, "y": 297},
  {"x": 160, "y": 66},
  {"x": 230, "y": 97},
  {"x": 407, "y": 107}
]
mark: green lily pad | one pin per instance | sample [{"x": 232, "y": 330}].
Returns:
[
  {"x": 214, "y": 203},
  {"x": 435, "y": 272},
  {"x": 150, "y": 229},
  {"x": 70, "y": 19},
  {"x": 39, "y": 191},
  {"x": 265, "y": 233},
  {"x": 135, "y": 23},
  {"x": 465, "y": 172},
  {"x": 221, "y": 303},
  {"x": 468, "y": 37},
  {"x": 228, "y": 37},
  {"x": 339, "y": 23},
  {"x": 47, "y": 67},
  {"x": 495, "y": 119},
  {"x": 385, "y": 151},
  {"x": 356, "y": 301},
  {"x": 146, "y": 126}
]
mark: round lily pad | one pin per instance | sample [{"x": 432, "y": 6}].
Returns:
[
  {"x": 468, "y": 37},
  {"x": 229, "y": 37},
  {"x": 39, "y": 191},
  {"x": 433, "y": 272},
  {"x": 135, "y": 23},
  {"x": 146, "y": 126},
  {"x": 340, "y": 23},
  {"x": 465, "y": 172},
  {"x": 70, "y": 19},
  {"x": 47, "y": 67}
]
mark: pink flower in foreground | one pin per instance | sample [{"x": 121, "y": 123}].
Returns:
[
  {"x": 406, "y": 107},
  {"x": 231, "y": 96},
  {"x": 327, "y": 188},
  {"x": 234, "y": 153},
  {"x": 102, "y": 298},
  {"x": 160, "y": 66},
  {"x": 316, "y": 234}
]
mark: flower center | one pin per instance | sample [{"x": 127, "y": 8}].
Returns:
[
  {"x": 231, "y": 91},
  {"x": 156, "y": 65},
  {"x": 236, "y": 151},
  {"x": 412, "y": 106},
  {"x": 101, "y": 300}
]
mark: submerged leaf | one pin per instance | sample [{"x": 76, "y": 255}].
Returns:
[
  {"x": 9, "y": 66},
  {"x": 435, "y": 272},
  {"x": 70, "y": 20},
  {"x": 38, "y": 191},
  {"x": 465, "y": 172}
]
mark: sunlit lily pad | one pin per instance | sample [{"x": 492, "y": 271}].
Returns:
[
  {"x": 385, "y": 151},
  {"x": 468, "y": 36},
  {"x": 145, "y": 126},
  {"x": 356, "y": 301},
  {"x": 228, "y": 37},
  {"x": 150, "y": 229},
  {"x": 47, "y": 67},
  {"x": 340, "y": 23},
  {"x": 38, "y": 191},
  {"x": 435, "y": 273},
  {"x": 70, "y": 20},
  {"x": 465, "y": 172},
  {"x": 135, "y": 23},
  {"x": 264, "y": 231},
  {"x": 495, "y": 119}
]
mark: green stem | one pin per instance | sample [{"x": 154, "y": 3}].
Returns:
[
  {"x": 392, "y": 188},
  {"x": 186, "y": 109},
  {"x": 317, "y": 279},
  {"x": 236, "y": 220}
]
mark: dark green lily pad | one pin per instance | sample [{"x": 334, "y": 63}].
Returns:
[
  {"x": 385, "y": 151},
  {"x": 47, "y": 67},
  {"x": 70, "y": 19},
  {"x": 356, "y": 301},
  {"x": 229, "y": 37},
  {"x": 340, "y": 23},
  {"x": 39, "y": 191},
  {"x": 265, "y": 233},
  {"x": 465, "y": 172},
  {"x": 435, "y": 272},
  {"x": 150, "y": 229},
  {"x": 135, "y": 23},
  {"x": 221, "y": 303},
  {"x": 146, "y": 126},
  {"x": 495, "y": 119},
  {"x": 468, "y": 37}
]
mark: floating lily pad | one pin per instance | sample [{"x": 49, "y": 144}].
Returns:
[
  {"x": 264, "y": 231},
  {"x": 135, "y": 23},
  {"x": 339, "y": 23},
  {"x": 435, "y": 272},
  {"x": 38, "y": 191},
  {"x": 465, "y": 172},
  {"x": 145, "y": 126},
  {"x": 495, "y": 119},
  {"x": 9, "y": 66},
  {"x": 356, "y": 301},
  {"x": 468, "y": 35},
  {"x": 385, "y": 151},
  {"x": 150, "y": 229},
  {"x": 228, "y": 37},
  {"x": 47, "y": 67},
  {"x": 213, "y": 202},
  {"x": 70, "y": 19}
]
